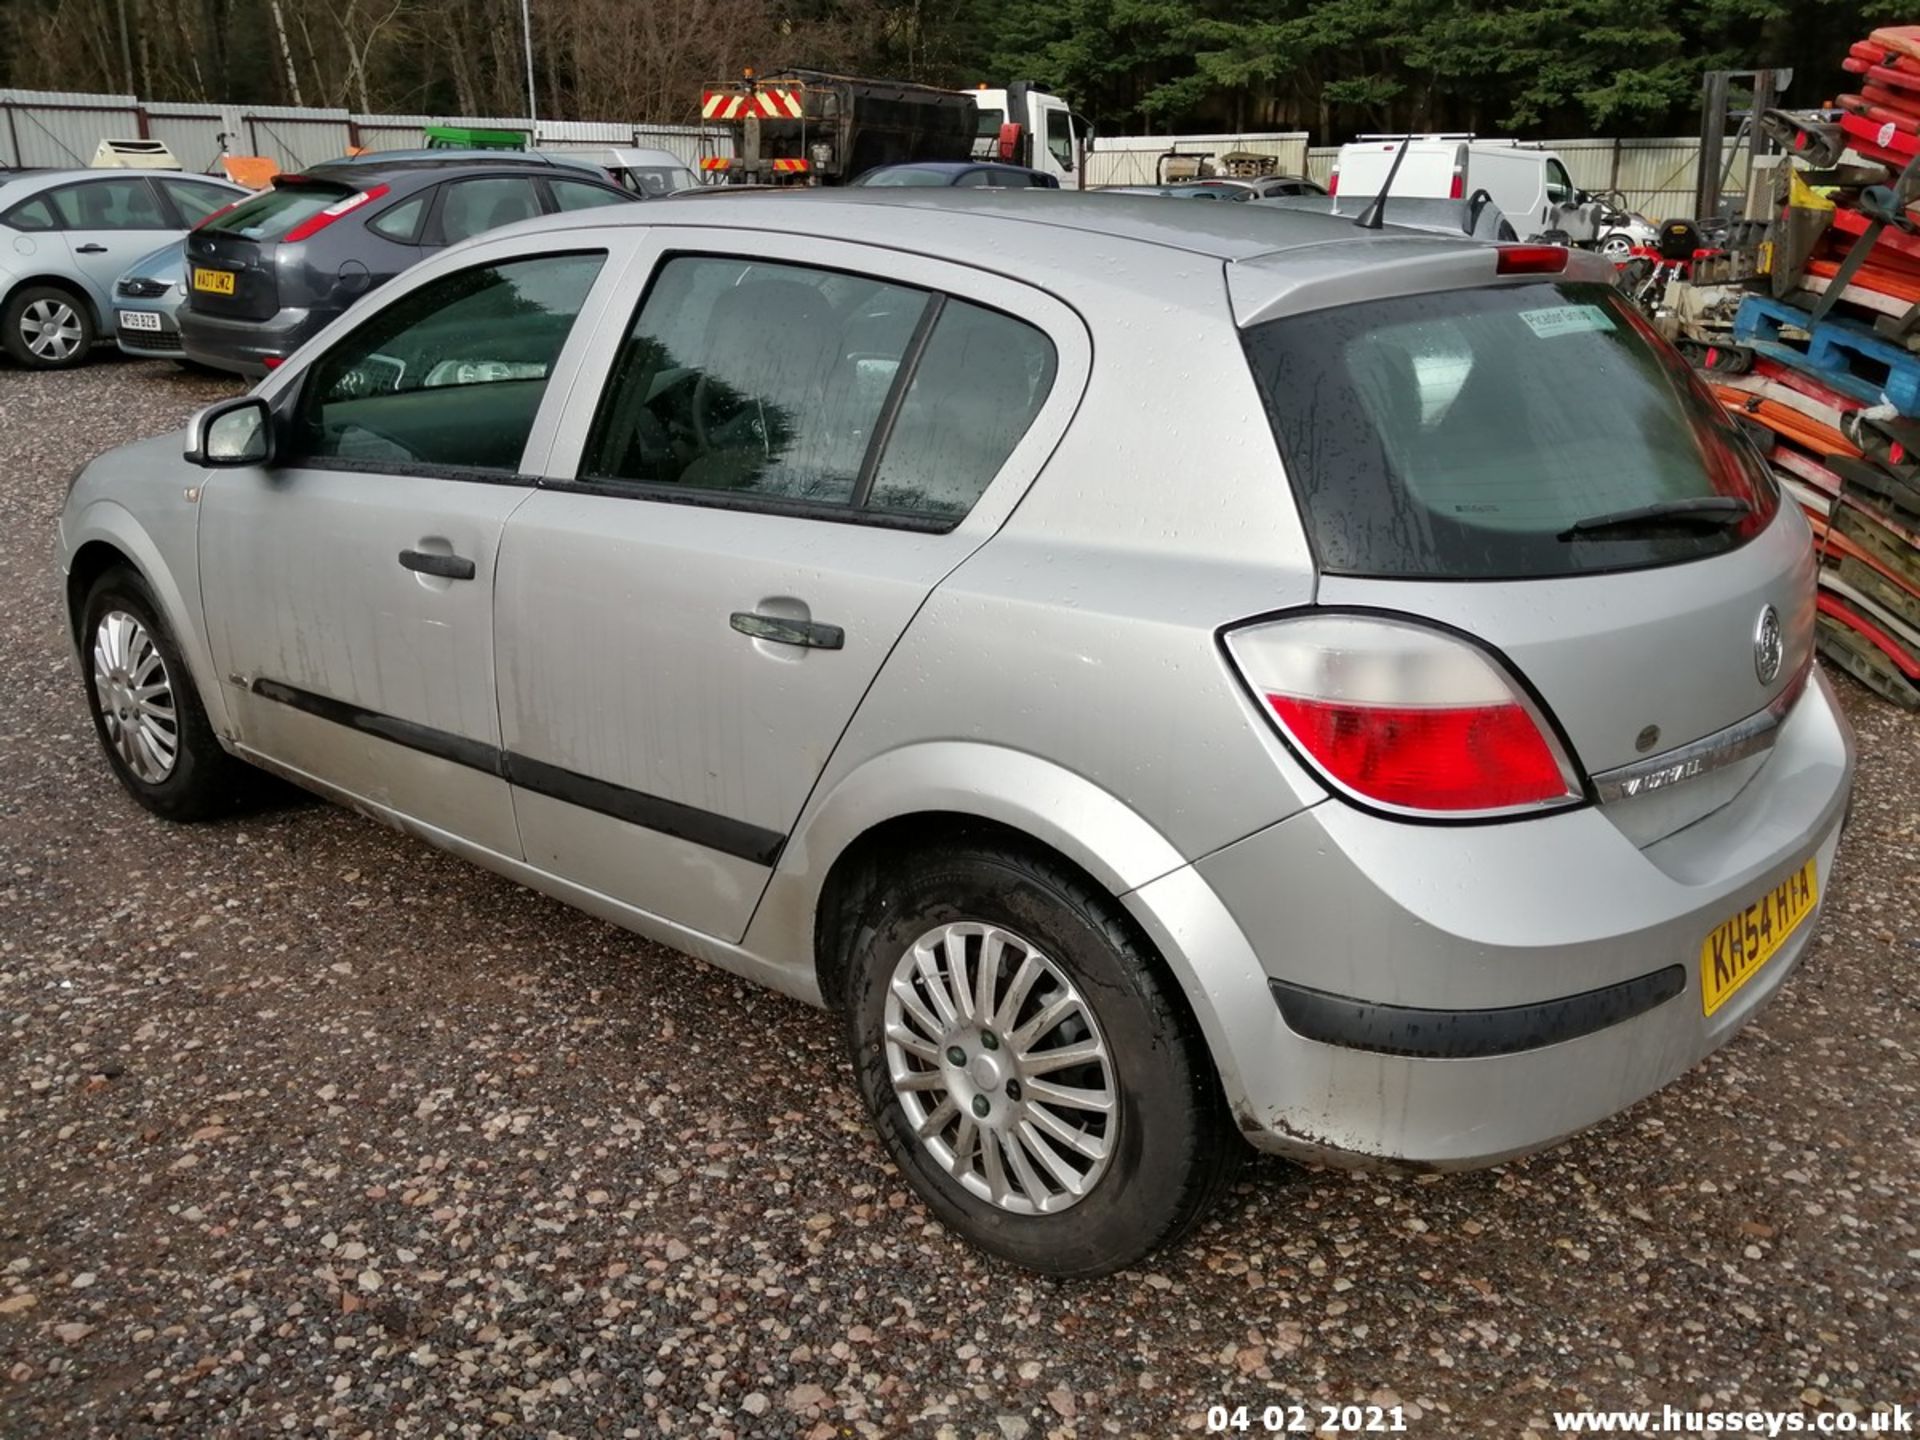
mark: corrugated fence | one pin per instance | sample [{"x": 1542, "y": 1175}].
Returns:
[{"x": 39, "y": 127}]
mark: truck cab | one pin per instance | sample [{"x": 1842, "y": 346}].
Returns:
[
  {"x": 1024, "y": 124},
  {"x": 1529, "y": 183}
]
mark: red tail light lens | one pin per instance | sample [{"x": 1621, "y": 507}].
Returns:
[
  {"x": 1404, "y": 718},
  {"x": 1530, "y": 259},
  {"x": 314, "y": 224},
  {"x": 1457, "y": 190}
]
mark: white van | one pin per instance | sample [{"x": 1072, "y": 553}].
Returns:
[{"x": 1529, "y": 183}]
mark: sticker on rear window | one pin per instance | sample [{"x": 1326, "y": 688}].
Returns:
[{"x": 1566, "y": 320}]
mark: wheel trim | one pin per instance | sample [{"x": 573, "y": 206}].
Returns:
[
  {"x": 135, "y": 696},
  {"x": 1616, "y": 245},
  {"x": 1000, "y": 1068},
  {"x": 51, "y": 329}
]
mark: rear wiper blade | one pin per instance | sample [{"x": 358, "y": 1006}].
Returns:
[{"x": 1715, "y": 512}]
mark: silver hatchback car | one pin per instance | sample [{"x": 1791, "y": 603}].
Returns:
[{"x": 1167, "y": 675}]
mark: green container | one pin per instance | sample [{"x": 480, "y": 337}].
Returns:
[{"x": 467, "y": 137}]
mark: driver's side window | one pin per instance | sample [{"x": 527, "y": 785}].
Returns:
[
  {"x": 743, "y": 376},
  {"x": 1559, "y": 183},
  {"x": 448, "y": 376}
]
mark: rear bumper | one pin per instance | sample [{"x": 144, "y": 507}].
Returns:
[
  {"x": 1453, "y": 996},
  {"x": 246, "y": 346}
]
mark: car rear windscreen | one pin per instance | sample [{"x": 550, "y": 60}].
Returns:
[
  {"x": 1483, "y": 433},
  {"x": 272, "y": 213}
]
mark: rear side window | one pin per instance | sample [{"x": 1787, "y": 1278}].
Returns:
[
  {"x": 785, "y": 383},
  {"x": 471, "y": 207},
  {"x": 110, "y": 205},
  {"x": 752, "y": 378},
  {"x": 449, "y": 376},
  {"x": 272, "y": 213},
  {"x": 1467, "y": 434}
]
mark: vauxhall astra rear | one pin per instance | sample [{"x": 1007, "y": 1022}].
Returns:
[{"x": 1165, "y": 674}]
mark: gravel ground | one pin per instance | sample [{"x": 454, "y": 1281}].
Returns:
[{"x": 307, "y": 1128}]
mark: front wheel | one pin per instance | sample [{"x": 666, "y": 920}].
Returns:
[
  {"x": 1616, "y": 245},
  {"x": 146, "y": 711},
  {"x": 1028, "y": 1063}
]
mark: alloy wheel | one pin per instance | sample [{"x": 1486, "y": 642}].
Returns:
[
  {"x": 1000, "y": 1068},
  {"x": 51, "y": 329},
  {"x": 135, "y": 694}
]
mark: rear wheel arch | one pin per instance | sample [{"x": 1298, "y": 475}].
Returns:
[{"x": 79, "y": 292}]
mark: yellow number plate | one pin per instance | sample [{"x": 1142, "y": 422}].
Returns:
[
  {"x": 1737, "y": 948},
  {"x": 217, "y": 282}
]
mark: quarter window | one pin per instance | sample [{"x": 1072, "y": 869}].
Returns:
[
  {"x": 109, "y": 205},
  {"x": 449, "y": 375},
  {"x": 981, "y": 379},
  {"x": 34, "y": 214},
  {"x": 400, "y": 223},
  {"x": 572, "y": 195},
  {"x": 196, "y": 200}
]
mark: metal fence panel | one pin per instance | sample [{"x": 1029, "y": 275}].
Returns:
[
  {"x": 47, "y": 127},
  {"x": 295, "y": 139},
  {"x": 192, "y": 133}
]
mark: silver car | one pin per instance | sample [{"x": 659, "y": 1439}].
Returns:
[
  {"x": 147, "y": 301},
  {"x": 1169, "y": 677},
  {"x": 66, "y": 236}
]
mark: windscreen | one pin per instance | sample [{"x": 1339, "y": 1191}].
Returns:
[
  {"x": 1487, "y": 433},
  {"x": 272, "y": 213}
]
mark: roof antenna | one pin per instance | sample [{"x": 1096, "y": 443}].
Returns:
[{"x": 1372, "y": 216}]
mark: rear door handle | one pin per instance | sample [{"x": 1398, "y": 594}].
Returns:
[
  {"x": 428, "y": 562},
  {"x": 781, "y": 631},
  {"x": 90, "y": 249}
]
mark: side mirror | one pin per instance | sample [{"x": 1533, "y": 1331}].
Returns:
[{"x": 234, "y": 432}]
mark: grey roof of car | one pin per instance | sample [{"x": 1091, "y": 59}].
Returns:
[{"x": 1038, "y": 224}]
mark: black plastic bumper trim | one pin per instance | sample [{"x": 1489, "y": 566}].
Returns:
[{"x": 1424, "y": 1034}]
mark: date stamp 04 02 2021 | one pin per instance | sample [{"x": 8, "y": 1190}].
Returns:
[{"x": 1306, "y": 1420}]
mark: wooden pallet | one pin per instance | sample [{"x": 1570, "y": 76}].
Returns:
[{"x": 1843, "y": 356}]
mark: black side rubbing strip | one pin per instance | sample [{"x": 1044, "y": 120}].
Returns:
[
  {"x": 733, "y": 837},
  {"x": 1425, "y": 1034},
  {"x": 650, "y": 812},
  {"x": 475, "y": 754}
]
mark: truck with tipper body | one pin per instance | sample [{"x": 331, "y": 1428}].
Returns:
[{"x": 812, "y": 127}]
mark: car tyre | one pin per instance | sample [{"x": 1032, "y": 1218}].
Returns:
[
  {"x": 146, "y": 712},
  {"x": 1166, "y": 1148},
  {"x": 1616, "y": 245},
  {"x": 45, "y": 327}
]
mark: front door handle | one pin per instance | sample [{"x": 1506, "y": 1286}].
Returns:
[
  {"x": 89, "y": 249},
  {"x": 428, "y": 562},
  {"x": 782, "y": 631}
]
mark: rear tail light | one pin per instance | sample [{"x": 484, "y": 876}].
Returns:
[
  {"x": 1333, "y": 183},
  {"x": 1530, "y": 259},
  {"x": 314, "y": 224},
  {"x": 1400, "y": 717},
  {"x": 1457, "y": 190}
]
